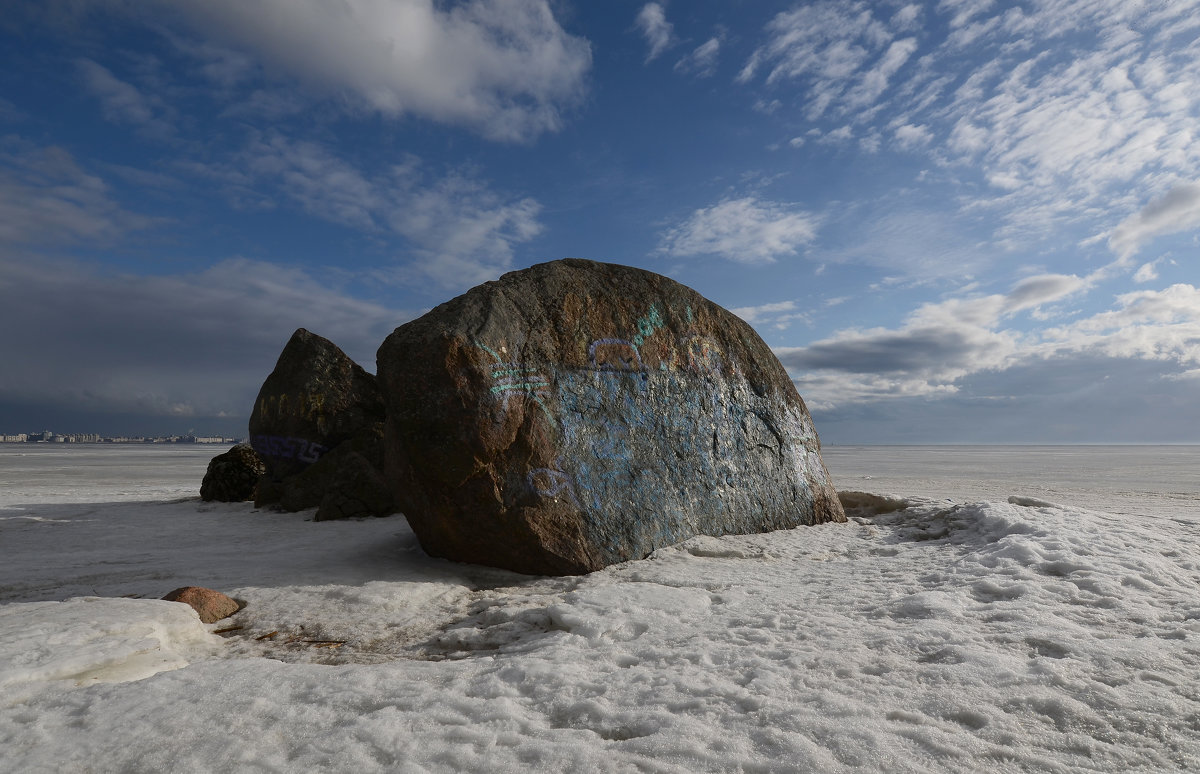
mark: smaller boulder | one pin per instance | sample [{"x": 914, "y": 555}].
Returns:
[
  {"x": 316, "y": 398},
  {"x": 211, "y": 605},
  {"x": 232, "y": 476},
  {"x": 318, "y": 424}
]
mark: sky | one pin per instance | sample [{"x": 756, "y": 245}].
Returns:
[{"x": 956, "y": 221}]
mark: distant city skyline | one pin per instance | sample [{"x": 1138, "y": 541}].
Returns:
[
  {"x": 50, "y": 436},
  {"x": 952, "y": 221}
]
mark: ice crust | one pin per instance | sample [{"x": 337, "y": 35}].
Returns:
[{"x": 987, "y": 636}]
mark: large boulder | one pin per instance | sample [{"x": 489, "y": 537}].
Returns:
[
  {"x": 577, "y": 414},
  {"x": 315, "y": 402},
  {"x": 232, "y": 477}
]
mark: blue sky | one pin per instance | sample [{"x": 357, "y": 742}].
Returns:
[{"x": 954, "y": 221}]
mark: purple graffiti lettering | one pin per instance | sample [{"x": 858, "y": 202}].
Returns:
[
  {"x": 282, "y": 447},
  {"x": 557, "y": 482}
]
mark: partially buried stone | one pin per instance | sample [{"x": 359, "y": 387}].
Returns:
[
  {"x": 231, "y": 477},
  {"x": 315, "y": 402},
  {"x": 576, "y": 414},
  {"x": 210, "y": 605}
]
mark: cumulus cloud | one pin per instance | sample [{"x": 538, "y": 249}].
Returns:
[
  {"x": 938, "y": 345},
  {"x": 503, "y": 67},
  {"x": 652, "y": 21},
  {"x": 746, "y": 230},
  {"x": 1177, "y": 210},
  {"x": 942, "y": 346}
]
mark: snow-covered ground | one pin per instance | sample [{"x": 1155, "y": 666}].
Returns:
[{"x": 999, "y": 635}]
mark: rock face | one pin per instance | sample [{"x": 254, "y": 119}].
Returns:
[
  {"x": 315, "y": 402},
  {"x": 231, "y": 477},
  {"x": 211, "y": 605},
  {"x": 577, "y": 414}
]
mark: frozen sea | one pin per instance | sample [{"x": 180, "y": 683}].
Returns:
[{"x": 986, "y": 609}]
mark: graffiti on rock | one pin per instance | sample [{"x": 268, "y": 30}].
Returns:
[
  {"x": 549, "y": 482},
  {"x": 516, "y": 379},
  {"x": 610, "y": 431},
  {"x": 703, "y": 355},
  {"x": 287, "y": 448},
  {"x": 614, "y": 355}
]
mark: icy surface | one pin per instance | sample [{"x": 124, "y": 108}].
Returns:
[{"x": 924, "y": 635}]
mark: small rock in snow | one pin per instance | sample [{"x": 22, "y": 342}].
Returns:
[{"x": 211, "y": 605}]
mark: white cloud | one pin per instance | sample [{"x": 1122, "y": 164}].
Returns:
[
  {"x": 906, "y": 17},
  {"x": 1069, "y": 110},
  {"x": 121, "y": 101},
  {"x": 1178, "y": 210},
  {"x": 838, "y": 136},
  {"x": 702, "y": 61},
  {"x": 47, "y": 199},
  {"x": 875, "y": 81},
  {"x": 1147, "y": 272},
  {"x": 836, "y": 50},
  {"x": 778, "y": 315},
  {"x": 938, "y": 345},
  {"x": 652, "y": 21},
  {"x": 745, "y": 230},
  {"x": 464, "y": 231},
  {"x": 124, "y": 103},
  {"x": 909, "y": 136},
  {"x": 503, "y": 67},
  {"x": 1033, "y": 292},
  {"x": 460, "y": 232},
  {"x": 942, "y": 344}
]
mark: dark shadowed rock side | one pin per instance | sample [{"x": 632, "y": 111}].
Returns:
[
  {"x": 577, "y": 414},
  {"x": 232, "y": 477},
  {"x": 318, "y": 425}
]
